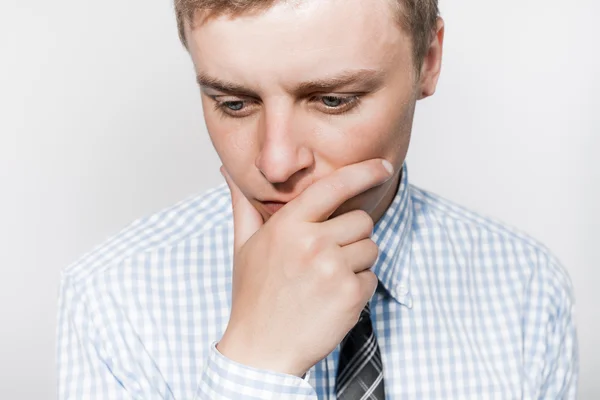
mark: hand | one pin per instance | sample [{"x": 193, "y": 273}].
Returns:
[{"x": 300, "y": 280}]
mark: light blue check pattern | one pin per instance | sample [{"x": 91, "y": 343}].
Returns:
[{"x": 465, "y": 309}]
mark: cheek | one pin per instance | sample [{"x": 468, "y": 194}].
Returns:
[
  {"x": 383, "y": 134},
  {"x": 233, "y": 140}
]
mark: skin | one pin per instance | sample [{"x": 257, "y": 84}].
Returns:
[
  {"x": 301, "y": 274},
  {"x": 275, "y": 142}
]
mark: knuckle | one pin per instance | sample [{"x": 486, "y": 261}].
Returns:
[
  {"x": 312, "y": 245},
  {"x": 336, "y": 185},
  {"x": 328, "y": 268},
  {"x": 337, "y": 188},
  {"x": 372, "y": 283},
  {"x": 352, "y": 291}
]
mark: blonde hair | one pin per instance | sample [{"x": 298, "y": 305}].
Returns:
[{"x": 417, "y": 17}]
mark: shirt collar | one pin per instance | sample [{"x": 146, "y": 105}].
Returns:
[{"x": 392, "y": 235}]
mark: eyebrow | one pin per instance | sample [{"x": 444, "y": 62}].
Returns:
[
  {"x": 209, "y": 82},
  {"x": 369, "y": 79}
]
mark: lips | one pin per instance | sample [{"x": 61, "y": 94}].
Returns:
[{"x": 272, "y": 206}]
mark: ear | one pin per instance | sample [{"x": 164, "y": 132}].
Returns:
[{"x": 432, "y": 63}]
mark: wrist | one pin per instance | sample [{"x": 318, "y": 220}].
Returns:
[{"x": 249, "y": 355}]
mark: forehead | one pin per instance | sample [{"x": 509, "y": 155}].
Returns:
[{"x": 303, "y": 39}]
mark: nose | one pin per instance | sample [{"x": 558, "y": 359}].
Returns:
[{"x": 283, "y": 147}]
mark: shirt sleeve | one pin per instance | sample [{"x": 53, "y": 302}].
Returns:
[
  {"x": 100, "y": 359},
  {"x": 224, "y": 379},
  {"x": 81, "y": 373},
  {"x": 551, "y": 356},
  {"x": 98, "y": 355}
]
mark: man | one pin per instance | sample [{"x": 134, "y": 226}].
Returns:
[{"x": 318, "y": 272}]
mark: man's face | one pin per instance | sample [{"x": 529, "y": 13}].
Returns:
[{"x": 295, "y": 92}]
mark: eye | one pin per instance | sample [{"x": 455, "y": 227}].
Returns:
[
  {"x": 234, "y": 105},
  {"x": 336, "y": 104},
  {"x": 332, "y": 101}
]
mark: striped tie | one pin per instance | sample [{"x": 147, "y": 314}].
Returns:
[{"x": 360, "y": 371}]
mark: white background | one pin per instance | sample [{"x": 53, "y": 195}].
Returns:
[{"x": 100, "y": 123}]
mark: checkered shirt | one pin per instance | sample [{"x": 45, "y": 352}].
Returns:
[{"x": 466, "y": 309}]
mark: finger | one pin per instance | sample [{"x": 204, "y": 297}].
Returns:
[
  {"x": 349, "y": 227},
  {"x": 323, "y": 197},
  {"x": 360, "y": 256},
  {"x": 368, "y": 284},
  {"x": 246, "y": 219}
]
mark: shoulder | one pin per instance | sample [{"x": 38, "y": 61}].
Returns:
[
  {"x": 190, "y": 218},
  {"x": 494, "y": 244}
]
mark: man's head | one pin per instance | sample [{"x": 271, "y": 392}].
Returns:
[
  {"x": 417, "y": 17},
  {"x": 293, "y": 90}
]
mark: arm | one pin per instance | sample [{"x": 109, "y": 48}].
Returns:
[
  {"x": 110, "y": 363},
  {"x": 550, "y": 336},
  {"x": 82, "y": 373},
  {"x": 223, "y": 379}
]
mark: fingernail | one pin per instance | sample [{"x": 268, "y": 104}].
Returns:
[{"x": 388, "y": 166}]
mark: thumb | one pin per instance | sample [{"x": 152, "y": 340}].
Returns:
[{"x": 246, "y": 219}]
